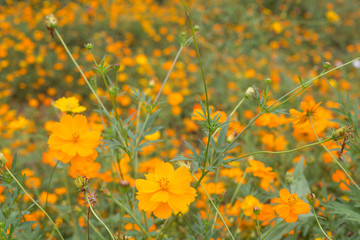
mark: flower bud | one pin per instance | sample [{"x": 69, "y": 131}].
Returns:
[
  {"x": 311, "y": 198},
  {"x": 289, "y": 178},
  {"x": 256, "y": 210},
  {"x": 268, "y": 80},
  {"x": 339, "y": 134},
  {"x": 50, "y": 21},
  {"x": 249, "y": 92},
  {"x": 196, "y": 28},
  {"x": 81, "y": 182},
  {"x": 326, "y": 65},
  {"x": 124, "y": 184},
  {"x": 3, "y": 160},
  {"x": 89, "y": 46}
]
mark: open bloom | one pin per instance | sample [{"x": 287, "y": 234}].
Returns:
[
  {"x": 309, "y": 109},
  {"x": 290, "y": 206},
  {"x": 70, "y": 104},
  {"x": 72, "y": 137},
  {"x": 165, "y": 190}
]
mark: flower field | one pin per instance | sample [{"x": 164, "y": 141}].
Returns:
[{"x": 154, "y": 119}]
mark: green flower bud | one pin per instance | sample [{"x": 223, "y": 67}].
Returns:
[
  {"x": 89, "y": 46},
  {"x": 326, "y": 65},
  {"x": 3, "y": 160},
  {"x": 50, "y": 21},
  {"x": 311, "y": 198}
]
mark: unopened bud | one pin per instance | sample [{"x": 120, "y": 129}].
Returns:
[
  {"x": 124, "y": 184},
  {"x": 268, "y": 80},
  {"x": 81, "y": 182},
  {"x": 339, "y": 134},
  {"x": 256, "y": 210},
  {"x": 152, "y": 83},
  {"x": 89, "y": 46},
  {"x": 326, "y": 65},
  {"x": 249, "y": 92},
  {"x": 311, "y": 198},
  {"x": 3, "y": 160},
  {"x": 197, "y": 28},
  {"x": 289, "y": 178}
]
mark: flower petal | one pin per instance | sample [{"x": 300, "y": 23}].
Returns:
[
  {"x": 164, "y": 170},
  {"x": 160, "y": 196}
]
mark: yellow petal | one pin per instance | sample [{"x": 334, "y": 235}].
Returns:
[
  {"x": 160, "y": 196},
  {"x": 163, "y": 211},
  {"x": 164, "y": 170}
]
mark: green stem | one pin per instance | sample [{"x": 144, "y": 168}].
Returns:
[
  {"x": 35, "y": 202},
  {"x": 272, "y": 106},
  {"x": 282, "y": 152},
  {"x": 70, "y": 206},
  {"x": 132, "y": 216},
  {"x": 200, "y": 179},
  {"x": 214, "y": 206},
  {"x": 48, "y": 186},
  {"x": 189, "y": 225},
  {"x": 97, "y": 217},
  {"x": 237, "y": 189},
  {"x": 275, "y": 226},
  {"x": 163, "y": 227},
  {"x": 337, "y": 162},
  {"x": 318, "y": 222},
  {"x": 258, "y": 227},
  {"x": 167, "y": 76}
]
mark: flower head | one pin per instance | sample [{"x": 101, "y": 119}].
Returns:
[
  {"x": 70, "y": 104},
  {"x": 290, "y": 206},
  {"x": 72, "y": 137},
  {"x": 309, "y": 109},
  {"x": 165, "y": 190}
]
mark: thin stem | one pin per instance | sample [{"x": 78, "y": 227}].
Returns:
[
  {"x": 272, "y": 106},
  {"x": 163, "y": 227},
  {"x": 97, "y": 217},
  {"x": 203, "y": 77},
  {"x": 275, "y": 226},
  {"x": 167, "y": 75},
  {"x": 85, "y": 78},
  {"x": 189, "y": 225},
  {"x": 214, "y": 206},
  {"x": 35, "y": 202},
  {"x": 88, "y": 225},
  {"x": 200, "y": 179},
  {"x": 132, "y": 216},
  {"x": 48, "y": 186},
  {"x": 282, "y": 152},
  {"x": 258, "y": 227},
  {"x": 317, "y": 220},
  {"x": 337, "y": 162},
  {"x": 237, "y": 189}
]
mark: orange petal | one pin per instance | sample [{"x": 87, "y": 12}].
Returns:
[
  {"x": 163, "y": 211},
  {"x": 164, "y": 170},
  {"x": 160, "y": 196},
  {"x": 300, "y": 207},
  {"x": 146, "y": 186},
  {"x": 292, "y": 217}
]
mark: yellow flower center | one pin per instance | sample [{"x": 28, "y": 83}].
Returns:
[
  {"x": 292, "y": 200},
  {"x": 163, "y": 182},
  {"x": 75, "y": 137}
]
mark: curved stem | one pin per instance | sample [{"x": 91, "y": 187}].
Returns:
[
  {"x": 97, "y": 217},
  {"x": 237, "y": 188},
  {"x": 272, "y": 106},
  {"x": 322, "y": 230},
  {"x": 132, "y": 216},
  {"x": 337, "y": 162},
  {"x": 35, "y": 202},
  {"x": 48, "y": 186},
  {"x": 168, "y": 75},
  {"x": 275, "y": 226},
  {"x": 217, "y": 210},
  {"x": 282, "y": 152}
]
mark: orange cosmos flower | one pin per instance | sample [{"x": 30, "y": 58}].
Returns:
[
  {"x": 309, "y": 109},
  {"x": 165, "y": 190},
  {"x": 70, "y": 104},
  {"x": 72, "y": 137},
  {"x": 290, "y": 206}
]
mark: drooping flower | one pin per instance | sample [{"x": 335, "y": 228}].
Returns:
[
  {"x": 70, "y": 104},
  {"x": 290, "y": 206},
  {"x": 309, "y": 109},
  {"x": 72, "y": 137},
  {"x": 165, "y": 190}
]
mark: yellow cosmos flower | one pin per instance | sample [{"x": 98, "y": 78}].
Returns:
[
  {"x": 72, "y": 137},
  {"x": 310, "y": 108},
  {"x": 70, "y": 104},
  {"x": 165, "y": 190}
]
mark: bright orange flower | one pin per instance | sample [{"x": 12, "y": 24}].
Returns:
[
  {"x": 72, "y": 136},
  {"x": 290, "y": 206},
  {"x": 70, "y": 104},
  {"x": 309, "y": 109},
  {"x": 165, "y": 190}
]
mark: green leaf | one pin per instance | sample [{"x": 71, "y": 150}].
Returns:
[{"x": 300, "y": 185}]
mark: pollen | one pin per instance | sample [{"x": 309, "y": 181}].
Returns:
[
  {"x": 292, "y": 200},
  {"x": 163, "y": 182},
  {"x": 75, "y": 137}
]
